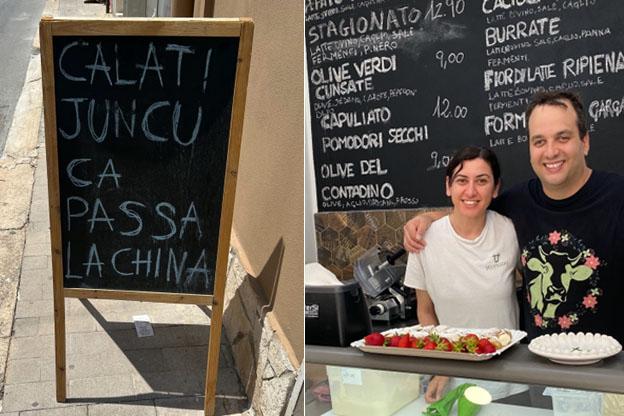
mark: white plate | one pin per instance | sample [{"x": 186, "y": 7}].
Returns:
[
  {"x": 575, "y": 348},
  {"x": 442, "y": 330}
]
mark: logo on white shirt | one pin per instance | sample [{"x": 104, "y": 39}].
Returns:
[{"x": 494, "y": 262}]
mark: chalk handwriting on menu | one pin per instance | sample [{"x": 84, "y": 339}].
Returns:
[
  {"x": 123, "y": 116},
  {"x": 397, "y": 86},
  {"x": 123, "y": 230}
]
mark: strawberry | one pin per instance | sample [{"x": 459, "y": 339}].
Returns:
[
  {"x": 471, "y": 342},
  {"x": 458, "y": 346},
  {"x": 418, "y": 343},
  {"x": 394, "y": 341},
  {"x": 405, "y": 341},
  {"x": 432, "y": 337},
  {"x": 444, "y": 345},
  {"x": 471, "y": 348},
  {"x": 429, "y": 345},
  {"x": 470, "y": 339},
  {"x": 375, "y": 339},
  {"x": 485, "y": 346}
]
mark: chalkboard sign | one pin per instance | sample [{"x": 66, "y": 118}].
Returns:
[
  {"x": 142, "y": 140},
  {"x": 397, "y": 86},
  {"x": 143, "y": 125}
]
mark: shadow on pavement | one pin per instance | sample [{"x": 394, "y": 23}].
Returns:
[{"x": 170, "y": 366}]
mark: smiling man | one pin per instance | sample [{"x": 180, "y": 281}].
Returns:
[
  {"x": 569, "y": 222},
  {"x": 558, "y": 144}
]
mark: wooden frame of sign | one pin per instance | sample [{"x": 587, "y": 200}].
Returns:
[{"x": 84, "y": 56}]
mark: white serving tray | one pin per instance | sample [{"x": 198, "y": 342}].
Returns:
[{"x": 444, "y": 331}]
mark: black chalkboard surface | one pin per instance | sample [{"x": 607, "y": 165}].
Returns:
[
  {"x": 142, "y": 142},
  {"x": 397, "y": 86}
]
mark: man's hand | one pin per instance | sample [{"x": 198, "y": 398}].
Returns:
[
  {"x": 435, "y": 389},
  {"x": 413, "y": 232}
]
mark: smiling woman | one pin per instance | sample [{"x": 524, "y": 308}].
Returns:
[
  {"x": 467, "y": 270},
  {"x": 472, "y": 181}
]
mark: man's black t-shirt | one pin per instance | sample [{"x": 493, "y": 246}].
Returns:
[{"x": 572, "y": 255}]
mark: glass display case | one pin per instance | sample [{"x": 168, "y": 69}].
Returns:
[{"x": 346, "y": 381}]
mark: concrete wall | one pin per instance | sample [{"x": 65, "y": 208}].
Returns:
[{"x": 268, "y": 215}]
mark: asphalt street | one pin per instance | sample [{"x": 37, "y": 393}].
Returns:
[{"x": 18, "y": 25}]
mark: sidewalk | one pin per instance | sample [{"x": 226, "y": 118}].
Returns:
[{"x": 110, "y": 370}]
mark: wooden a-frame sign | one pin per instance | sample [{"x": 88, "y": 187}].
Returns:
[{"x": 143, "y": 123}]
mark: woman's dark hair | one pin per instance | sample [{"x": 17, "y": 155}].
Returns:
[{"x": 470, "y": 153}]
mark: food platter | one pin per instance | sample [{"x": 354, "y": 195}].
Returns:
[
  {"x": 441, "y": 330},
  {"x": 575, "y": 348}
]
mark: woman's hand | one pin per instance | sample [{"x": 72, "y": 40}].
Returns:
[
  {"x": 435, "y": 389},
  {"x": 413, "y": 232}
]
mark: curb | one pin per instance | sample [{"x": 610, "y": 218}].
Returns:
[{"x": 17, "y": 171}]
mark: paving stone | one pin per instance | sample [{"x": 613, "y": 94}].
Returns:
[
  {"x": 92, "y": 343},
  {"x": 146, "y": 360},
  {"x": 33, "y": 308},
  {"x": 47, "y": 293},
  {"x": 30, "y": 292},
  {"x": 73, "y": 324},
  {"x": 38, "y": 226},
  {"x": 184, "y": 406},
  {"x": 41, "y": 262},
  {"x": 73, "y": 307},
  {"x": 46, "y": 325},
  {"x": 180, "y": 383},
  {"x": 30, "y": 396},
  {"x": 40, "y": 237},
  {"x": 186, "y": 358},
  {"x": 165, "y": 337},
  {"x": 48, "y": 370},
  {"x": 32, "y": 347},
  {"x": 36, "y": 249},
  {"x": 34, "y": 276},
  {"x": 23, "y": 371},
  {"x": 141, "y": 408},
  {"x": 66, "y": 411},
  {"x": 98, "y": 388},
  {"x": 39, "y": 205},
  {"x": 25, "y": 327},
  {"x": 90, "y": 366}
]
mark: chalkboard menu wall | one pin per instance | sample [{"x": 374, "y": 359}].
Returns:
[
  {"x": 142, "y": 126},
  {"x": 397, "y": 86}
]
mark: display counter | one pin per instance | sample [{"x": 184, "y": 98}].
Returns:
[
  {"x": 351, "y": 366},
  {"x": 517, "y": 365}
]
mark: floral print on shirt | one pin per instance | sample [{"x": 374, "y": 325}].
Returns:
[{"x": 555, "y": 265}]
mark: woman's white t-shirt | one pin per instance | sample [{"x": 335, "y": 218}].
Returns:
[{"x": 471, "y": 282}]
